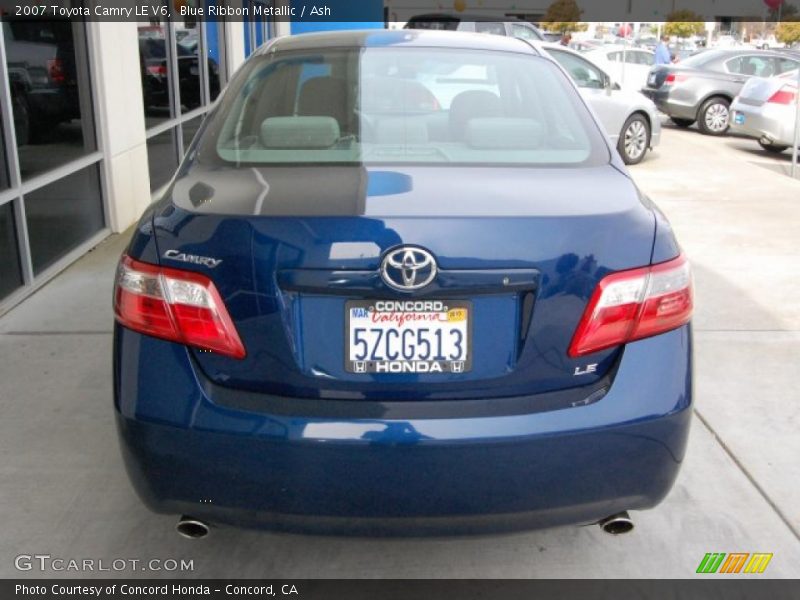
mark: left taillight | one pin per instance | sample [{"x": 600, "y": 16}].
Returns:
[
  {"x": 179, "y": 306},
  {"x": 631, "y": 305}
]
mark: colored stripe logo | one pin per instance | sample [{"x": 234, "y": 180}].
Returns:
[{"x": 735, "y": 562}]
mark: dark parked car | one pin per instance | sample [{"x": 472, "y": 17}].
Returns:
[
  {"x": 155, "y": 81},
  {"x": 500, "y": 25},
  {"x": 702, "y": 87},
  {"x": 446, "y": 308},
  {"x": 42, "y": 76}
]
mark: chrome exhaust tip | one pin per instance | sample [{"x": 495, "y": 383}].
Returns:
[
  {"x": 617, "y": 524},
  {"x": 191, "y": 528}
]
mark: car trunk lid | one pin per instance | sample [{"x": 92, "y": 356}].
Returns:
[{"x": 520, "y": 250}]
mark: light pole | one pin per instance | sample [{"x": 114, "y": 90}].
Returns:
[{"x": 796, "y": 126}]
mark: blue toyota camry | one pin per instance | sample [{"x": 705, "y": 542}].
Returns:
[{"x": 402, "y": 282}]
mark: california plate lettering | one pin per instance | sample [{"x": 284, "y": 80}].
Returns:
[{"x": 408, "y": 336}]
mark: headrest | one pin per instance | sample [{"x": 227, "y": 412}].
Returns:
[
  {"x": 299, "y": 132},
  {"x": 472, "y": 104},
  {"x": 504, "y": 133},
  {"x": 323, "y": 96}
]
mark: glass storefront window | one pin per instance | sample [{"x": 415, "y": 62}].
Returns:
[
  {"x": 188, "y": 46},
  {"x": 62, "y": 215},
  {"x": 50, "y": 93},
  {"x": 214, "y": 56},
  {"x": 3, "y": 161},
  {"x": 50, "y": 125},
  {"x": 10, "y": 272},
  {"x": 197, "y": 48},
  {"x": 258, "y": 29},
  {"x": 155, "y": 68},
  {"x": 190, "y": 128},
  {"x": 162, "y": 158}
]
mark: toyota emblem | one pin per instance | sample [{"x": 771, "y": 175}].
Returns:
[{"x": 407, "y": 268}]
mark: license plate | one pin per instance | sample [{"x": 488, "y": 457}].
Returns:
[
  {"x": 739, "y": 118},
  {"x": 408, "y": 336},
  {"x": 651, "y": 80}
]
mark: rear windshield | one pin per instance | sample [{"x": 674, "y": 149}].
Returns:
[{"x": 408, "y": 105}]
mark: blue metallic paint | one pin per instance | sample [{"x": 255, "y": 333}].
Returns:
[
  {"x": 573, "y": 465},
  {"x": 566, "y": 241},
  {"x": 374, "y": 470}
]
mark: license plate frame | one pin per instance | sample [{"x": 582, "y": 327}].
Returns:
[{"x": 458, "y": 365}]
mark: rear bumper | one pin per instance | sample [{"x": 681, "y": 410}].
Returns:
[
  {"x": 186, "y": 454},
  {"x": 669, "y": 102},
  {"x": 53, "y": 103},
  {"x": 770, "y": 121},
  {"x": 655, "y": 133}
]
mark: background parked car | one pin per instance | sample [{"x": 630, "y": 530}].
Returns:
[
  {"x": 767, "y": 43},
  {"x": 702, "y": 87},
  {"x": 552, "y": 36},
  {"x": 585, "y": 45},
  {"x": 152, "y": 51},
  {"x": 476, "y": 23},
  {"x": 766, "y": 110},
  {"x": 648, "y": 42},
  {"x": 726, "y": 40},
  {"x": 680, "y": 51},
  {"x": 629, "y": 67},
  {"x": 42, "y": 76},
  {"x": 630, "y": 119}
]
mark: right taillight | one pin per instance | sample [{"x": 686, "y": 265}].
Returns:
[
  {"x": 180, "y": 306},
  {"x": 631, "y": 305},
  {"x": 785, "y": 95}
]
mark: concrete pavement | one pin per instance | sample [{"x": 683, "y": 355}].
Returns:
[{"x": 64, "y": 492}]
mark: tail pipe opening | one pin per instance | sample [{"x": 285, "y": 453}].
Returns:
[
  {"x": 617, "y": 524},
  {"x": 191, "y": 528}
]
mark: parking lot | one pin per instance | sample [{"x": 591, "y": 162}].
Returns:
[{"x": 737, "y": 213}]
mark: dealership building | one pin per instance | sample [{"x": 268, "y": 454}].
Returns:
[{"x": 96, "y": 116}]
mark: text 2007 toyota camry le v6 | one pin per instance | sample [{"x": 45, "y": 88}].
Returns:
[{"x": 402, "y": 281}]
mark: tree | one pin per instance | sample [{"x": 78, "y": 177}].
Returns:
[
  {"x": 684, "y": 24},
  {"x": 788, "y": 32},
  {"x": 563, "y": 16}
]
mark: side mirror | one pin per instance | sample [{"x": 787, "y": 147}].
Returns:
[{"x": 609, "y": 85}]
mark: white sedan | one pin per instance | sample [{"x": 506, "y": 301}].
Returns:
[
  {"x": 630, "y": 119},
  {"x": 766, "y": 110},
  {"x": 629, "y": 67}
]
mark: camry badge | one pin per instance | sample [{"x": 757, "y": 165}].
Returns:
[{"x": 205, "y": 261}]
